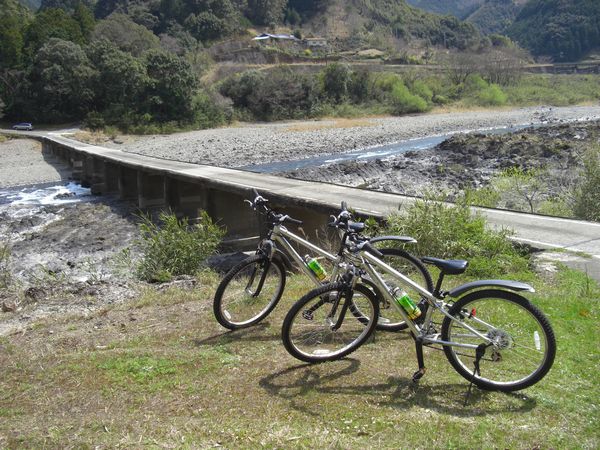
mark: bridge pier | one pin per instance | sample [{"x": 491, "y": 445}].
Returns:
[
  {"x": 127, "y": 183},
  {"x": 111, "y": 178},
  {"x": 77, "y": 166},
  {"x": 87, "y": 173},
  {"x": 98, "y": 179},
  {"x": 186, "y": 198},
  {"x": 152, "y": 192}
]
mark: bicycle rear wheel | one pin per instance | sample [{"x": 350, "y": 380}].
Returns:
[
  {"x": 390, "y": 318},
  {"x": 523, "y": 347},
  {"x": 309, "y": 332},
  {"x": 249, "y": 292}
]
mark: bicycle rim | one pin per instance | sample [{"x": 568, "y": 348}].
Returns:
[
  {"x": 309, "y": 332},
  {"x": 523, "y": 342},
  {"x": 248, "y": 294}
]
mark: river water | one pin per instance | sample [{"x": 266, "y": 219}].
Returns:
[
  {"x": 378, "y": 152},
  {"x": 35, "y": 206}
]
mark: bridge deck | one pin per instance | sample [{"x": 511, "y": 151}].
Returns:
[{"x": 540, "y": 231}]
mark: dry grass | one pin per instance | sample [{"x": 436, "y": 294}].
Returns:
[
  {"x": 162, "y": 373},
  {"x": 329, "y": 124}
]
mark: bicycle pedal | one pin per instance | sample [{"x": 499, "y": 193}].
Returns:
[
  {"x": 418, "y": 375},
  {"x": 308, "y": 315}
]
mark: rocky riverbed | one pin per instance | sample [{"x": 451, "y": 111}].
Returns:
[
  {"x": 470, "y": 161},
  {"x": 250, "y": 144},
  {"x": 62, "y": 252}
]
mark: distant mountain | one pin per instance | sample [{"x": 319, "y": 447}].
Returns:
[
  {"x": 495, "y": 16},
  {"x": 564, "y": 30},
  {"x": 457, "y": 8}
]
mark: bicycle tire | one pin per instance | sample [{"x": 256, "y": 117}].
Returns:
[
  {"x": 389, "y": 317},
  {"x": 524, "y": 348},
  {"x": 236, "y": 305},
  {"x": 301, "y": 330}
]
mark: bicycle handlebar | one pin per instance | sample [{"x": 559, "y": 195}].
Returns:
[{"x": 260, "y": 204}]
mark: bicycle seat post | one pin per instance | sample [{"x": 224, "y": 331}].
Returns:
[{"x": 438, "y": 285}]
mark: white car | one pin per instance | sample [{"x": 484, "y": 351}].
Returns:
[{"x": 25, "y": 126}]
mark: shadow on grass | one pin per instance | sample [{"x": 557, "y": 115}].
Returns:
[
  {"x": 256, "y": 333},
  {"x": 298, "y": 381}
]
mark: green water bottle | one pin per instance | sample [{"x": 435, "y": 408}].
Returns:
[
  {"x": 316, "y": 268},
  {"x": 409, "y": 306}
]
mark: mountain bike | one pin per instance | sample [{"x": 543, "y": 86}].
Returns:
[
  {"x": 491, "y": 334},
  {"x": 251, "y": 290}
]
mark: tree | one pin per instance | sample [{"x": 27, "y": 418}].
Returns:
[
  {"x": 587, "y": 195},
  {"x": 529, "y": 185},
  {"x": 12, "y": 42},
  {"x": 336, "y": 78},
  {"x": 266, "y": 12},
  {"x": 48, "y": 24},
  {"x": 61, "y": 81},
  {"x": 120, "y": 80},
  {"x": 84, "y": 17},
  {"x": 172, "y": 85},
  {"x": 126, "y": 34}
]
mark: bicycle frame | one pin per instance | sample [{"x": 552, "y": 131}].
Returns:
[
  {"x": 281, "y": 234},
  {"x": 368, "y": 262}
]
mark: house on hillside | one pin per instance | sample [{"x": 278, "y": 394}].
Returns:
[
  {"x": 315, "y": 42},
  {"x": 267, "y": 37}
]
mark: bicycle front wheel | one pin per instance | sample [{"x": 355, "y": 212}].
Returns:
[
  {"x": 249, "y": 292},
  {"x": 310, "y": 331},
  {"x": 523, "y": 345}
]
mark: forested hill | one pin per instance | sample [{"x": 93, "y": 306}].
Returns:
[
  {"x": 562, "y": 29},
  {"x": 352, "y": 22},
  {"x": 458, "y": 8},
  {"x": 495, "y": 16}
]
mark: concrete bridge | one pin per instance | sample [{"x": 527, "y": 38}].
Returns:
[{"x": 185, "y": 188}]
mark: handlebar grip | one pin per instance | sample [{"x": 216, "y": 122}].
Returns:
[
  {"x": 255, "y": 192},
  {"x": 344, "y": 206},
  {"x": 366, "y": 246},
  {"x": 294, "y": 221}
]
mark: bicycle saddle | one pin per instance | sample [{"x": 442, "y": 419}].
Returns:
[{"x": 447, "y": 266}]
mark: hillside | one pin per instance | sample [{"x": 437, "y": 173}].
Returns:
[
  {"x": 495, "y": 16},
  {"x": 458, "y": 8},
  {"x": 564, "y": 30},
  {"x": 392, "y": 22}
]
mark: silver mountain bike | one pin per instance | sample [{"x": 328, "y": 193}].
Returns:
[
  {"x": 491, "y": 334},
  {"x": 250, "y": 291}
]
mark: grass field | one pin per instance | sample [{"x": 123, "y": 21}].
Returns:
[{"x": 161, "y": 373}]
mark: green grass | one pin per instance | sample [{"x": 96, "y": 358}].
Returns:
[
  {"x": 164, "y": 373},
  {"x": 557, "y": 90}
]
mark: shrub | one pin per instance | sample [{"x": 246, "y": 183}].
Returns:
[
  {"x": 453, "y": 231},
  {"x": 176, "y": 247},
  {"x": 404, "y": 102},
  {"x": 587, "y": 195},
  {"x": 336, "y": 78},
  {"x": 492, "y": 96}
]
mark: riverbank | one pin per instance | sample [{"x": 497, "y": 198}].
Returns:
[
  {"x": 23, "y": 163},
  {"x": 471, "y": 161},
  {"x": 250, "y": 144}
]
